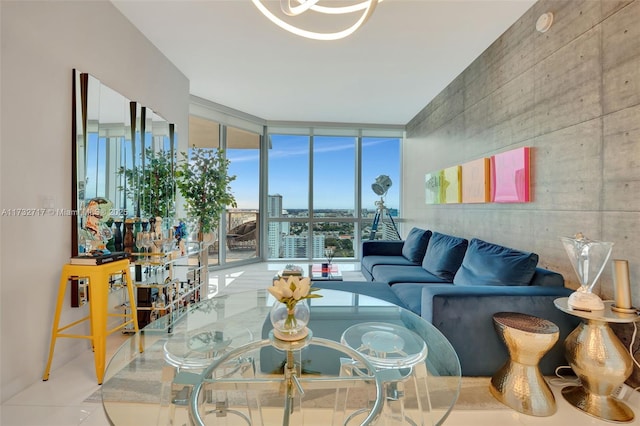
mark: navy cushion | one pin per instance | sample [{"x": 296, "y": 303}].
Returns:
[
  {"x": 490, "y": 264},
  {"x": 392, "y": 274},
  {"x": 374, "y": 289},
  {"x": 444, "y": 255},
  {"x": 415, "y": 245},
  {"x": 370, "y": 261},
  {"x": 546, "y": 278},
  {"x": 410, "y": 295},
  {"x": 382, "y": 248}
]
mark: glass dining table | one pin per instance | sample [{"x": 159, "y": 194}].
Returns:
[{"x": 365, "y": 361}]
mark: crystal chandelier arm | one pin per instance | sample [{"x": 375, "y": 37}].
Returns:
[{"x": 315, "y": 35}]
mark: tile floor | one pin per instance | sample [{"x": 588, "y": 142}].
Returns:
[{"x": 61, "y": 400}]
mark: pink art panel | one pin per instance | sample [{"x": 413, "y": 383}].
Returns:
[
  {"x": 510, "y": 181},
  {"x": 476, "y": 181}
]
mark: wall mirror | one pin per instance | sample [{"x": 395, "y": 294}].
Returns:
[{"x": 124, "y": 157}]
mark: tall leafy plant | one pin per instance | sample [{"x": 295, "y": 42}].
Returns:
[
  {"x": 152, "y": 188},
  {"x": 202, "y": 177}
]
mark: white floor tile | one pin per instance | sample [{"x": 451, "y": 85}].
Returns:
[
  {"x": 59, "y": 401},
  {"x": 41, "y": 415}
]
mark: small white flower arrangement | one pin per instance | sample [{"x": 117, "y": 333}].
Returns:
[
  {"x": 291, "y": 325},
  {"x": 293, "y": 289}
]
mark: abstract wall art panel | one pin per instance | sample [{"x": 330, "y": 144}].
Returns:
[
  {"x": 451, "y": 185},
  {"x": 433, "y": 187},
  {"x": 476, "y": 181},
  {"x": 510, "y": 180}
]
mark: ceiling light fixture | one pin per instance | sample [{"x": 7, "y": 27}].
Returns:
[{"x": 300, "y": 6}]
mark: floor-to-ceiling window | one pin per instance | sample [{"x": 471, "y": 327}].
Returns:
[
  {"x": 238, "y": 237},
  {"x": 319, "y": 191},
  {"x": 288, "y": 199},
  {"x": 380, "y": 157},
  {"x": 243, "y": 222},
  {"x": 334, "y": 200},
  {"x": 302, "y": 189},
  {"x": 205, "y": 134}
]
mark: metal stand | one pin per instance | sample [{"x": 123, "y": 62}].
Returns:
[
  {"x": 291, "y": 383},
  {"x": 381, "y": 210}
]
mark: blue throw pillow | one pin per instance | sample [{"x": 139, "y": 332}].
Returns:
[
  {"x": 415, "y": 245},
  {"x": 444, "y": 255},
  {"x": 490, "y": 264}
]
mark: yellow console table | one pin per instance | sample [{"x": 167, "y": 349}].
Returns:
[{"x": 98, "y": 277}]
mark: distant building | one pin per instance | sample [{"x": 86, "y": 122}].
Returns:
[
  {"x": 274, "y": 205},
  {"x": 295, "y": 246},
  {"x": 275, "y": 230},
  {"x": 387, "y": 230}
]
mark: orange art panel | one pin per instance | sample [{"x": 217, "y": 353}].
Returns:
[{"x": 476, "y": 181}]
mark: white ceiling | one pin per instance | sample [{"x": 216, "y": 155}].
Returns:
[{"x": 385, "y": 73}]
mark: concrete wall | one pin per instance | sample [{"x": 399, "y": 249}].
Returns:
[
  {"x": 41, "y": 43},
  {"x": 573, "y": 95}
]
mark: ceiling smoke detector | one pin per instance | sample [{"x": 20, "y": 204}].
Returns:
[{"x": 544, "y": 22}]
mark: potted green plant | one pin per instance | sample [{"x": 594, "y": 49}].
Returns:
[
  {"x": 151, "y": 188},
  {"x": 202, "y": 177}
]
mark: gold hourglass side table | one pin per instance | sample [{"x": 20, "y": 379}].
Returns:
[
  {"x": 600, "y": 360},
  {"x": 519, "y": 384}
]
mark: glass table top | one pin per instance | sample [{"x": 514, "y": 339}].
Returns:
[
  {"x": 220, "y": 367},
  {"x": 386, "y": 345}
]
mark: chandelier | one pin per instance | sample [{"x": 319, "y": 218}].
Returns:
[{"x": 297, "y": 7}]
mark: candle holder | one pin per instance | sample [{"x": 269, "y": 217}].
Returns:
[{"x": 622, "y": 288}]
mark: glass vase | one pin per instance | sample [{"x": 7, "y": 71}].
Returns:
[
  {"x": 290, "y": 324},
  {"x": 588, "y": 259}
]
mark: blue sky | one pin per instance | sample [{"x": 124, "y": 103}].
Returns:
[
  {"x": 289, "y": 169},
  {"x": 334, "y": 162}
]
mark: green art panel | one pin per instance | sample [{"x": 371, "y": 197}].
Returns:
[{"x": 433, "y": 183}]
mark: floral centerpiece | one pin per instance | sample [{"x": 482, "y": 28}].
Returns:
[{"x": 290, "y": 313}]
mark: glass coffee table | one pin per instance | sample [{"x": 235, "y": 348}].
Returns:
[{"x": 366, "y": 362}]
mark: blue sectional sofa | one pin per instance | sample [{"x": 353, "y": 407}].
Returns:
[{"x": 458, "y": 285}]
